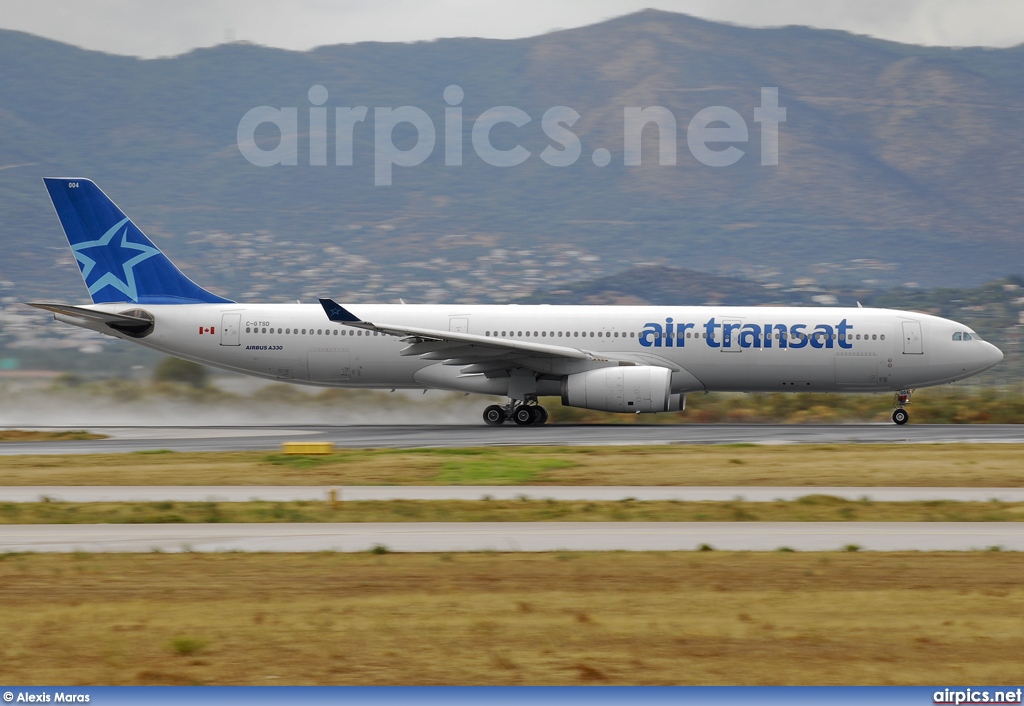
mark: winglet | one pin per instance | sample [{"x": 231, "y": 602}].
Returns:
[{"x": 336, "y": 312}]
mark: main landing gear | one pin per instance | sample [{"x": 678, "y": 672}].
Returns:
[
  {"x": 900, "y": 415},
  {"x": 524, "y": 413}
]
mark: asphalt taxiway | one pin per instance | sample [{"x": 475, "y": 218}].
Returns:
[
  {"x": 147, "y": 438},
  {"x": 516, "y": 537}
]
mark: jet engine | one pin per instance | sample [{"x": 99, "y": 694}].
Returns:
[{"x": 630, "y": 388}]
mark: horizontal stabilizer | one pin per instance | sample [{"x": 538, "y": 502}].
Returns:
[
  {"x": 125, "y": 323},
  {"x": 83, "y": 313}
]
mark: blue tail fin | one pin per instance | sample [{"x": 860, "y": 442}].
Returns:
[{"x": 118, "y": 261}]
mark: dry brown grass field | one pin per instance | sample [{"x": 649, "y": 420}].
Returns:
[
  {"x": 68, "y": 435},
  {"x": 980, "y": 465},
  {"x": 560, "y": 618}
]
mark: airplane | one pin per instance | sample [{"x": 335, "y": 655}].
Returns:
[{"x": 628, "y": 359}]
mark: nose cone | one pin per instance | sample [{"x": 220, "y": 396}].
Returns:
[
  {"x": 995, "y": 355},
  {"x": 990, "y": 355}
]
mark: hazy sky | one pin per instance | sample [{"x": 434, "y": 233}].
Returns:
[{"x": 150, "y": 29}]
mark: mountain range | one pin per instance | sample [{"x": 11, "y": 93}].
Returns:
[{"x": 896, "y": 163}]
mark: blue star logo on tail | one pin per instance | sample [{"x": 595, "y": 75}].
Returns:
[{"x": 122, "y": 256}]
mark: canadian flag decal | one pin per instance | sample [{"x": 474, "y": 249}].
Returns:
[{"x": 208, "y": 329}]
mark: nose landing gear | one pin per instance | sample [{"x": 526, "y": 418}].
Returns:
[
  {"x": 524, "y": 413},
  {"x": 900, "y": 415}
]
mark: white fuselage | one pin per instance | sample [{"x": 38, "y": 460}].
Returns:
[{"x": 713, "y": 348}]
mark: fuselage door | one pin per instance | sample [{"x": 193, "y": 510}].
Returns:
[
  {"x": 731, "y": 335},
  {"x": 458, "y": 325},
  {"x": 230, "y": 325},
  {"x": 912, "y": 340}
]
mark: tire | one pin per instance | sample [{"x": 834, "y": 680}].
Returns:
[
  {"x": 523, "y": 415},
  {"x": 900, "y": 416},
  {"x": 494, "y": 415},
  {"x": 541, "y": 415}
]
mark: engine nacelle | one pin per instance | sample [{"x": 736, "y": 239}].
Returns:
[{"x": 628, "y": 388}]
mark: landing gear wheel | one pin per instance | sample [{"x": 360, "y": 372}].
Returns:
[
  {"x": 494, "y": 415},
  {"x": 541, "y": 415},
  {"x": 900, "y": 416},
  {"x": 523, "y": 415}
]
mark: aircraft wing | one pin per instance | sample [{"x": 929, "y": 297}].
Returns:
[{"x": 478, "y": 353}]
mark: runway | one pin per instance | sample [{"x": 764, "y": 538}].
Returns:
[
  {"x": 145, "y": 438},
  {"x": 269, "y": 493},
  {"x": 516, "y": 537}
]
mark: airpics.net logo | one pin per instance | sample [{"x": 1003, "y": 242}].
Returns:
[
  {"x": 714, "y": 135},
  {"x": 974, "y": 697}
]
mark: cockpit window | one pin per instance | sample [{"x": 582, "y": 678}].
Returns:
[
  {"x": 972, "y": 334},
  {"x": 958, "y": 336},
  {"x": 967, "y": 336}
]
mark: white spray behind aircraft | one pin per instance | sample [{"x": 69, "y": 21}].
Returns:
[{"x": 612, "y": 358}]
